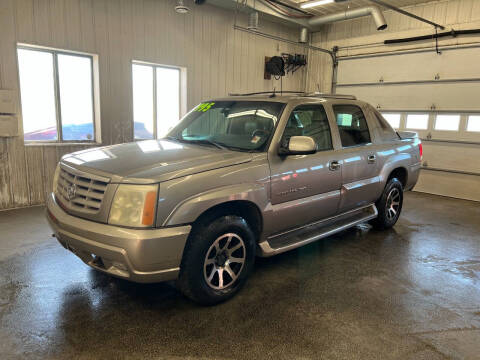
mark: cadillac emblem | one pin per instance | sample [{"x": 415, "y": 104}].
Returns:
[{"x": 71, "y": 192}]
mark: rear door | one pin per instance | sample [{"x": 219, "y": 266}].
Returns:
[
  {"x": 358, "y": 157},
  {"x": 305, "y": 188}
]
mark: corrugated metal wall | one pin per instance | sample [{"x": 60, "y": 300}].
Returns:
[{"x": 218, "y": 60}]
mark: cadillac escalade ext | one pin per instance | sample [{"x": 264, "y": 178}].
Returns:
[{"x": 238, "y": 177}]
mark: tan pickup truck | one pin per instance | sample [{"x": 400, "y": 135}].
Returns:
[{"x": 238, "y": 177}]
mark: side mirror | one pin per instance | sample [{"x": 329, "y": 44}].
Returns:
[{"x": 299, "y": 145}]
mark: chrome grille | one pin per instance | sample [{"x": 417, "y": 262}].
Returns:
[{"x": 82, "y": 192}]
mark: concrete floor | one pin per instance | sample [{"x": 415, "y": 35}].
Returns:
[{"x": 408, "y": 293}]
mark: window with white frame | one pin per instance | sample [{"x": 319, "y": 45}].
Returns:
[
  {"x": 392, "y": 119},
  {"x": 57, "y": 95},
  {"x": 446, "y": 125},
  {"x": 156, "y": 99},
  {"x": 417, "y": 121},
  {"x": 446, "y": 122},
  {"x": 473, "y": 123}
]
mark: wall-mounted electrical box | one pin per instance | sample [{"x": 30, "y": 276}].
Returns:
[{"x": 8, "y": 112}]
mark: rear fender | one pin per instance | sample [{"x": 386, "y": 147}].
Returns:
[{"x": 402, "y": 159}]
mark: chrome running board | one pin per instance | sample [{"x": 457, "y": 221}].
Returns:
[{"x": 293, "y": 239}]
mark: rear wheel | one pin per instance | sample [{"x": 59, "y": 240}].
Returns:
[
  {"x": 217, "y": 260},
  {"x": 389, "y": 205}
]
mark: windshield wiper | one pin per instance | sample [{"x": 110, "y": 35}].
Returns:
[
  {"x": 173, "y": 138},
  {"x": 218, "y": 144},
  {"x": 206, "y": 141},
  {"x": 200, "y": 141}
]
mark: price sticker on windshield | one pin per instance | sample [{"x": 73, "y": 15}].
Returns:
[{"x": 204, "y": 107}]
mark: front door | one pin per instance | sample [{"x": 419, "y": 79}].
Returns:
[
  {"x": 305, "y": 188},
  {"x": 358, "y": 159}
]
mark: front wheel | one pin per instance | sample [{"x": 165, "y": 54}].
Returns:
[
  {"x": 389, "y": 205},
  {"x": 217, "y": 260}
]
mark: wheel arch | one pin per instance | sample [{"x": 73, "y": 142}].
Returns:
[
  {"x": 400, "y": 173},
  {"x": 243, "y": 208},
  {"x": 246, "y": 200}
]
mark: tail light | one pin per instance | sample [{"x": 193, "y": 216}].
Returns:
[{"x": 420, "y": 149}]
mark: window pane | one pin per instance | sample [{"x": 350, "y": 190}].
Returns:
[
  {"x": 38, "y": 94},
  {"x": 76, "y": 97},
  {"x": 142, "y": 101},
  {"x": 168, "y": 99},
  {"x": 473, "y": 123},
  {"x": 352, "y": 125},
  {"x": 447, "y": 122},
  {"x": 310, "y": 121},
  {"x": 393, "y": 120},
  {"x": 417, "y": 121}
]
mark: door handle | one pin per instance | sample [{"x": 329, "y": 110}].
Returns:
[
  {"x": 371, "y": 159},
  {"x": 334, "y": 165}
]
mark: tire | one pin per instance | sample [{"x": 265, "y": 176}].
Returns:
[
  {"x": 217, "y": 260},
  {"x": 389, "y": 205}
]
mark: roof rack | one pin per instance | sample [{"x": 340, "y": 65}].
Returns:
[
  {"x": 330, "y": 96},
  {"x": 274, "y": 93}
]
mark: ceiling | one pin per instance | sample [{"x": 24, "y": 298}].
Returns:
[{"x": 353, "y": 4}]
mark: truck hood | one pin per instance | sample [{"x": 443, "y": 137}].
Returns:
[{"x": 153, "y": 160}]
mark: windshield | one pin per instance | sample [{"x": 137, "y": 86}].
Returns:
[{"x": 236, "y": 125}]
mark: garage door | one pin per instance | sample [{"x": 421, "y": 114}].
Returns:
[{"x": 436, "y": 95}]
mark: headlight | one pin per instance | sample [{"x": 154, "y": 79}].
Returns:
[
  {"x": 55, "y": 178},
  {"x": 134, "y": 206}
]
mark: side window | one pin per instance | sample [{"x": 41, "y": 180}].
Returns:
[
  {"x": 309, "y": 120},
  {"x": 352, "y": 125},
  {"x": 386, "y": 130}
]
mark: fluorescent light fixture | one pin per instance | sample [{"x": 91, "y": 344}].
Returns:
[{"x": 310, "y": 4}]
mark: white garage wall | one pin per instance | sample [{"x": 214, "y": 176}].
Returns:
[
  {"x": 360, "y": 37},
  {"x": 457, "y": 152},
  {"x": 217, "y": 58},
  {"x": 408, "y": 81}
]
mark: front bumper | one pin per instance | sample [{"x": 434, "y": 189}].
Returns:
[{"x": 146, "y": 256}]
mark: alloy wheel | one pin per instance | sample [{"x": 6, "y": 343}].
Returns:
[
  {"x": 224, "y": 261},
  {"x": 393, "y": 204}
]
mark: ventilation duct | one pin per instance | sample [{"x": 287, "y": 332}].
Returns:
[
  {"x": 253, "y": 21},
  {"x": 374, "y": 11},
  {"x": 312, "y": 23},
  {"x": 303, "y": 36},
  {"x": 181, "y": 8}
]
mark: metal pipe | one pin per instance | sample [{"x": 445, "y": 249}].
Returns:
[
  {"x": 406, "y": 13},
  {"x": 309, "y": 23},
  {"x": 264, "y": 7},
  {"x": 453, "y": 33},
  {"x": 291, "y": 7},
  {"x": 253, "y": 20},
  {"x": 374, "y": 11},
  {"x": 303, "y": 35},
  {"x": 273, "y": 37},
  {"x": 333, "y": 87},
  {"x": 471, "y": 45}
]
